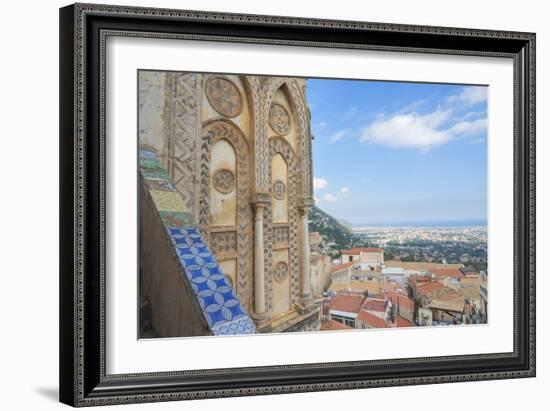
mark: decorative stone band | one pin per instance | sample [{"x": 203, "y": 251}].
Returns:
[{"x": 220, "y": 304}]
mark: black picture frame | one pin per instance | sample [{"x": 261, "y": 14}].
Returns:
[{"x": 83, "y": 29}]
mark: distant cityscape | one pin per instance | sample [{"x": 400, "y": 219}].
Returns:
[
  {"x": 403, "y": 275},
  {"x": 446, "y": 245}
]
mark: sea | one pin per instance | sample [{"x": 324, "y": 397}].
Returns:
[{"x": 427, "y": 224}]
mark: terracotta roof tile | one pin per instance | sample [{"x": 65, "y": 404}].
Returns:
[
  {"x": 331, "y": 325},
  {"x": 403, "y": 300},
  {"x": 429, "y": 287},
  {"x": 373, "y": 304},
  {"x": 402, "y": 322},
  {"x": 447, "y": 272},
  {"x": 371, "y": 319},
  {"x": 339, "y": 267},
  {"x": 346, "y": 303}
]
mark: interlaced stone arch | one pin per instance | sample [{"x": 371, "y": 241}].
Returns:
[
  {"x": 213, "y": 132},
  {"x": 278, "y": 145},
  {"x": 300, "y": 113}
]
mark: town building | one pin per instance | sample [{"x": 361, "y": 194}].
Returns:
[
  {"x": 345, "y": 308},
  {"x": 317, "y": 242},
  {"x": 402, "y": 306},
  {"x": 332, "y": 325},
  {"x": 395, "y": 274},
  {"x": 368, "y": 258},
  {"x": 366, "y": 320},
  {"x": 366, "y": 287},
  {"x": 378, "y": 307},
  {"x": 320, "y": 273},
  {"x": 341, "y": 273}
]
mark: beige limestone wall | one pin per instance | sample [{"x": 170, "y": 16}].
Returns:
[
  {"x": 243, "y": 119},
  {"x": 281, "y": 98},
  {"x": 229, "y": 268},
  {"x": 279, "y": 172},
  {"x": 281, "y": 289},
  {"x": 151, "y": 106},
  {"x": 223, "y": 205}
]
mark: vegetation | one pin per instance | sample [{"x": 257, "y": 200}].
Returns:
[{"x": 333, "y": 231}]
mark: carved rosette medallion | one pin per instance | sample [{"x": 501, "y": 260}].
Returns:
[
  {"x": 224, "y": 180},
  {"x": 279, "y": 189},
  {"x": 279, "y": 120},
  {"x": 224, "y": 96},
  {"x": 281, "y": 271}
]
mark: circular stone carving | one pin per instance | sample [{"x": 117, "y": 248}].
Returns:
[
  {"x": 281, "y": 271},
  {"x": 224, "y": 96},
  {"x": 279, "y": 189},
  {"x": 279, "y": 120},
  {"x": 224, "y": 180}
]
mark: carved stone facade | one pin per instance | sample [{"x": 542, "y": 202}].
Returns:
[{"x": 238, "y": 150}]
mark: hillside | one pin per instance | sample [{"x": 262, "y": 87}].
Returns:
[{"x": 332, "y": 230}]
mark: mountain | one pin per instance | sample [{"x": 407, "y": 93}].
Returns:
[{"x": 332, "y": 230}]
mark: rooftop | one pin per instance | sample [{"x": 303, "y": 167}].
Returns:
[
  {"x": 447, "y": 272},
  {"x": 416, "y": 266},
  {"x": 446, "y": 294},
  {"x": 429, "y": 288},
  {"x": 371, "y": 319},
  {"x": 339, "y": 267},
  {"x": 453, "y": 305},
  {"x": 400, "y": 299},
  {"x": 372, "y": 287},
  {"x": 375, "y": 304},
  {"x": 393, "y": 270},
  {"x": 402, "y": 322},
  {"x": 346, "y": 303},
  {"x": 331, "y": 325}
]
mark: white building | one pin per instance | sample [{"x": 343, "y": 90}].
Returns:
[{"x": 368, "y": 258}]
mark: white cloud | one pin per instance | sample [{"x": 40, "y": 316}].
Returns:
[
  {"x": 471, "y": 114},
  {"x": 350, "y": 113},
  {"x": 337, "y": 136},
  {"x": 408, "y": 130},
  {"x": 412, "y": 106},
  {"x": 319, "y": 183},
  {"x": 321, "y": 125},
  {"x": 467, "y": 128},
  {"x": 340, "y": 195},
  {"x": 469, "y": 95},
  {"x": 419, "y": 131}
]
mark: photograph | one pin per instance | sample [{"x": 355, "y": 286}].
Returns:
[
  {"x": 287, "y": 202},
  {"x": 273, "y": 204}
]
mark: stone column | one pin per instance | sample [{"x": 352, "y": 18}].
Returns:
[
  {"x": 304, "y": 251},
  {"x": 259, "y": 276}
]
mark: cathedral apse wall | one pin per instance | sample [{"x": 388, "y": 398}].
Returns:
[{"x": 238, "y": 150}]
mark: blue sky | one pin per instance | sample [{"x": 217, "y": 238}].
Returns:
[{"x": 389, "y": 152}]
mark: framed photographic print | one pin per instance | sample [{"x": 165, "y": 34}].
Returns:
[{"x": 259, "y": 204}]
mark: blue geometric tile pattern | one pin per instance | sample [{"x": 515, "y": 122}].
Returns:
[
  {"x": 147, "y": 154},
  {"x": 219, "y": 302},
  {"x": 223, "y": 309}
]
